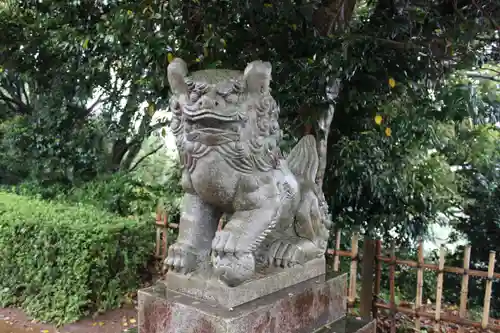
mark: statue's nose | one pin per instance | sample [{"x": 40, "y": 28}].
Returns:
[{"x": 206, "y": 102}]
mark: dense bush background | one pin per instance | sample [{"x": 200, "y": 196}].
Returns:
[{"x": 61, "y": 262}]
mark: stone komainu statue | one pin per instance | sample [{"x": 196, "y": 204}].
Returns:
[{"x": 226, "y": 127}]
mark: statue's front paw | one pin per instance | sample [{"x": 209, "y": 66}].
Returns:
[
  {"x": 285, "y": 253},
  {"x": 225, "y": 242},
  {"x": 234, "y": 270},
  {"x": 181, "y": 259}
]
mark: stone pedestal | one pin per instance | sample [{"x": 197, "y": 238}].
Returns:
[
  {"x": 302, "y": 308},
  {"x": 275, "y": 279},
  {"x": 349, "y": 324}
]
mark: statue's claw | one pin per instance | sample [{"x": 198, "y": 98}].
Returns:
[
  {"x": 232, "y": 264},
  {"x": 224, "y": 242},
  {"x": 181, "y": 258},
  {"x": 234, "y": 269},
  {"x": 286, "y": 254}
]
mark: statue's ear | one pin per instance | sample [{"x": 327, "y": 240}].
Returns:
[
  {"x": 257, "y": 76},
  {"x": 176, "y": 74}
]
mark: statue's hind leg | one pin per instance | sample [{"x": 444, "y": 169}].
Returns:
[
  {"x": 306, "y": 240},
  {"x": 198, "y": 224}
]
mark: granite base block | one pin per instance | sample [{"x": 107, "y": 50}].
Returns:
[
  {"x": 302, "y": 308},
  {"x": 349, "y": 324},
  {"x": 214, "y": 291}
]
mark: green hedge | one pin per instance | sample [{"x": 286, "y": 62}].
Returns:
[{"x": 61, "y": 262}]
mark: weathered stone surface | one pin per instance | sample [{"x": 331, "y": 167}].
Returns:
[
  {"x": 302, "y": 308},
  {"x": 225, "y": 123},
  {"x": 213, "y": 290},
  {"x": 349, "y": 325}
]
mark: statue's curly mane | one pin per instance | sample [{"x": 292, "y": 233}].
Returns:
[
  {"x": 267, "y": 111},
  {"x": 176, "y": 124},
  {"x": 257, "y": 148}
]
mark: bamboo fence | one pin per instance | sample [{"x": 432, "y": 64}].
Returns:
[
  {"x": 418, "y": 311},
  {"x": 162, "y": 227},
  {"x": 372, "y": 271}
]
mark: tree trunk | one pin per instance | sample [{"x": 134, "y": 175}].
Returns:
[
  {"x": 121, "y": 146},
  {"x": 136, "y": 144},
  {"x": 334, "y": 16}
]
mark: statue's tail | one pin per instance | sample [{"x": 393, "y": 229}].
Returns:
[
  {"x": 312, "y": 219},
  {"x": 303, "y": 160}
]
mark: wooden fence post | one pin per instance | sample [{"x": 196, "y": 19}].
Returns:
[
  {"x": 439, "y": 289},
  {"x": 367, "y": 280},
  {"x": 420, "y": 284},
  {"x": 378, "y": 277},
  {"x": 336, "y": 257},
  {"x": 465, "y": 287},
  {"x": 392, "y": 288},
  {"x": 165, "y": 235},
  {"x": 354, "y": 268},
  {"x": 487, "y": 293},
  {"x": 161, "y": 223}
]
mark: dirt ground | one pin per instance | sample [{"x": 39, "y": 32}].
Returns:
[{"x": 117, "y": 321}]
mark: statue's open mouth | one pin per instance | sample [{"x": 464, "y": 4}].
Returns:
[
  {"x": 212, "y": 129},
  {"x": 222, "y": 116},
  {"x": 213, "y": 121}
]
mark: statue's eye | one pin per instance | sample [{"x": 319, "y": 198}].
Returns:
[{"x": 193, "y": 97}]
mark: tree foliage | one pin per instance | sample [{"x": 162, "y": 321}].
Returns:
[{"x": 382, "y": 65}]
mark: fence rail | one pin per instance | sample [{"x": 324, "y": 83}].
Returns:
[{"x": 372, "y": 260}]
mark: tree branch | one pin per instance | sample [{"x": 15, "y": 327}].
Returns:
[
  {"x": 12, "y": 91},
  {"x": 97, "y": 102},
  {"x": 151, "y": 129},
  {"x": 484, "y": 77},
  {"x": 496, "y": 71},
  {"x": 24, "y": 93},
  {"x": 140, "y": 160},
  {"x": 13, "y": 104},
  {"x": 489, "y": 17}
]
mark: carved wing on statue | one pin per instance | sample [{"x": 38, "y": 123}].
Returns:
[{"x": 312, "y": 220}]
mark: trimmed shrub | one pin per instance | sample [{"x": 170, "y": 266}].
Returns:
[
  {"x": 122, "y": 194},
  {"x": 119, "y": 194},
  {"x": 61, "y": 262}
]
